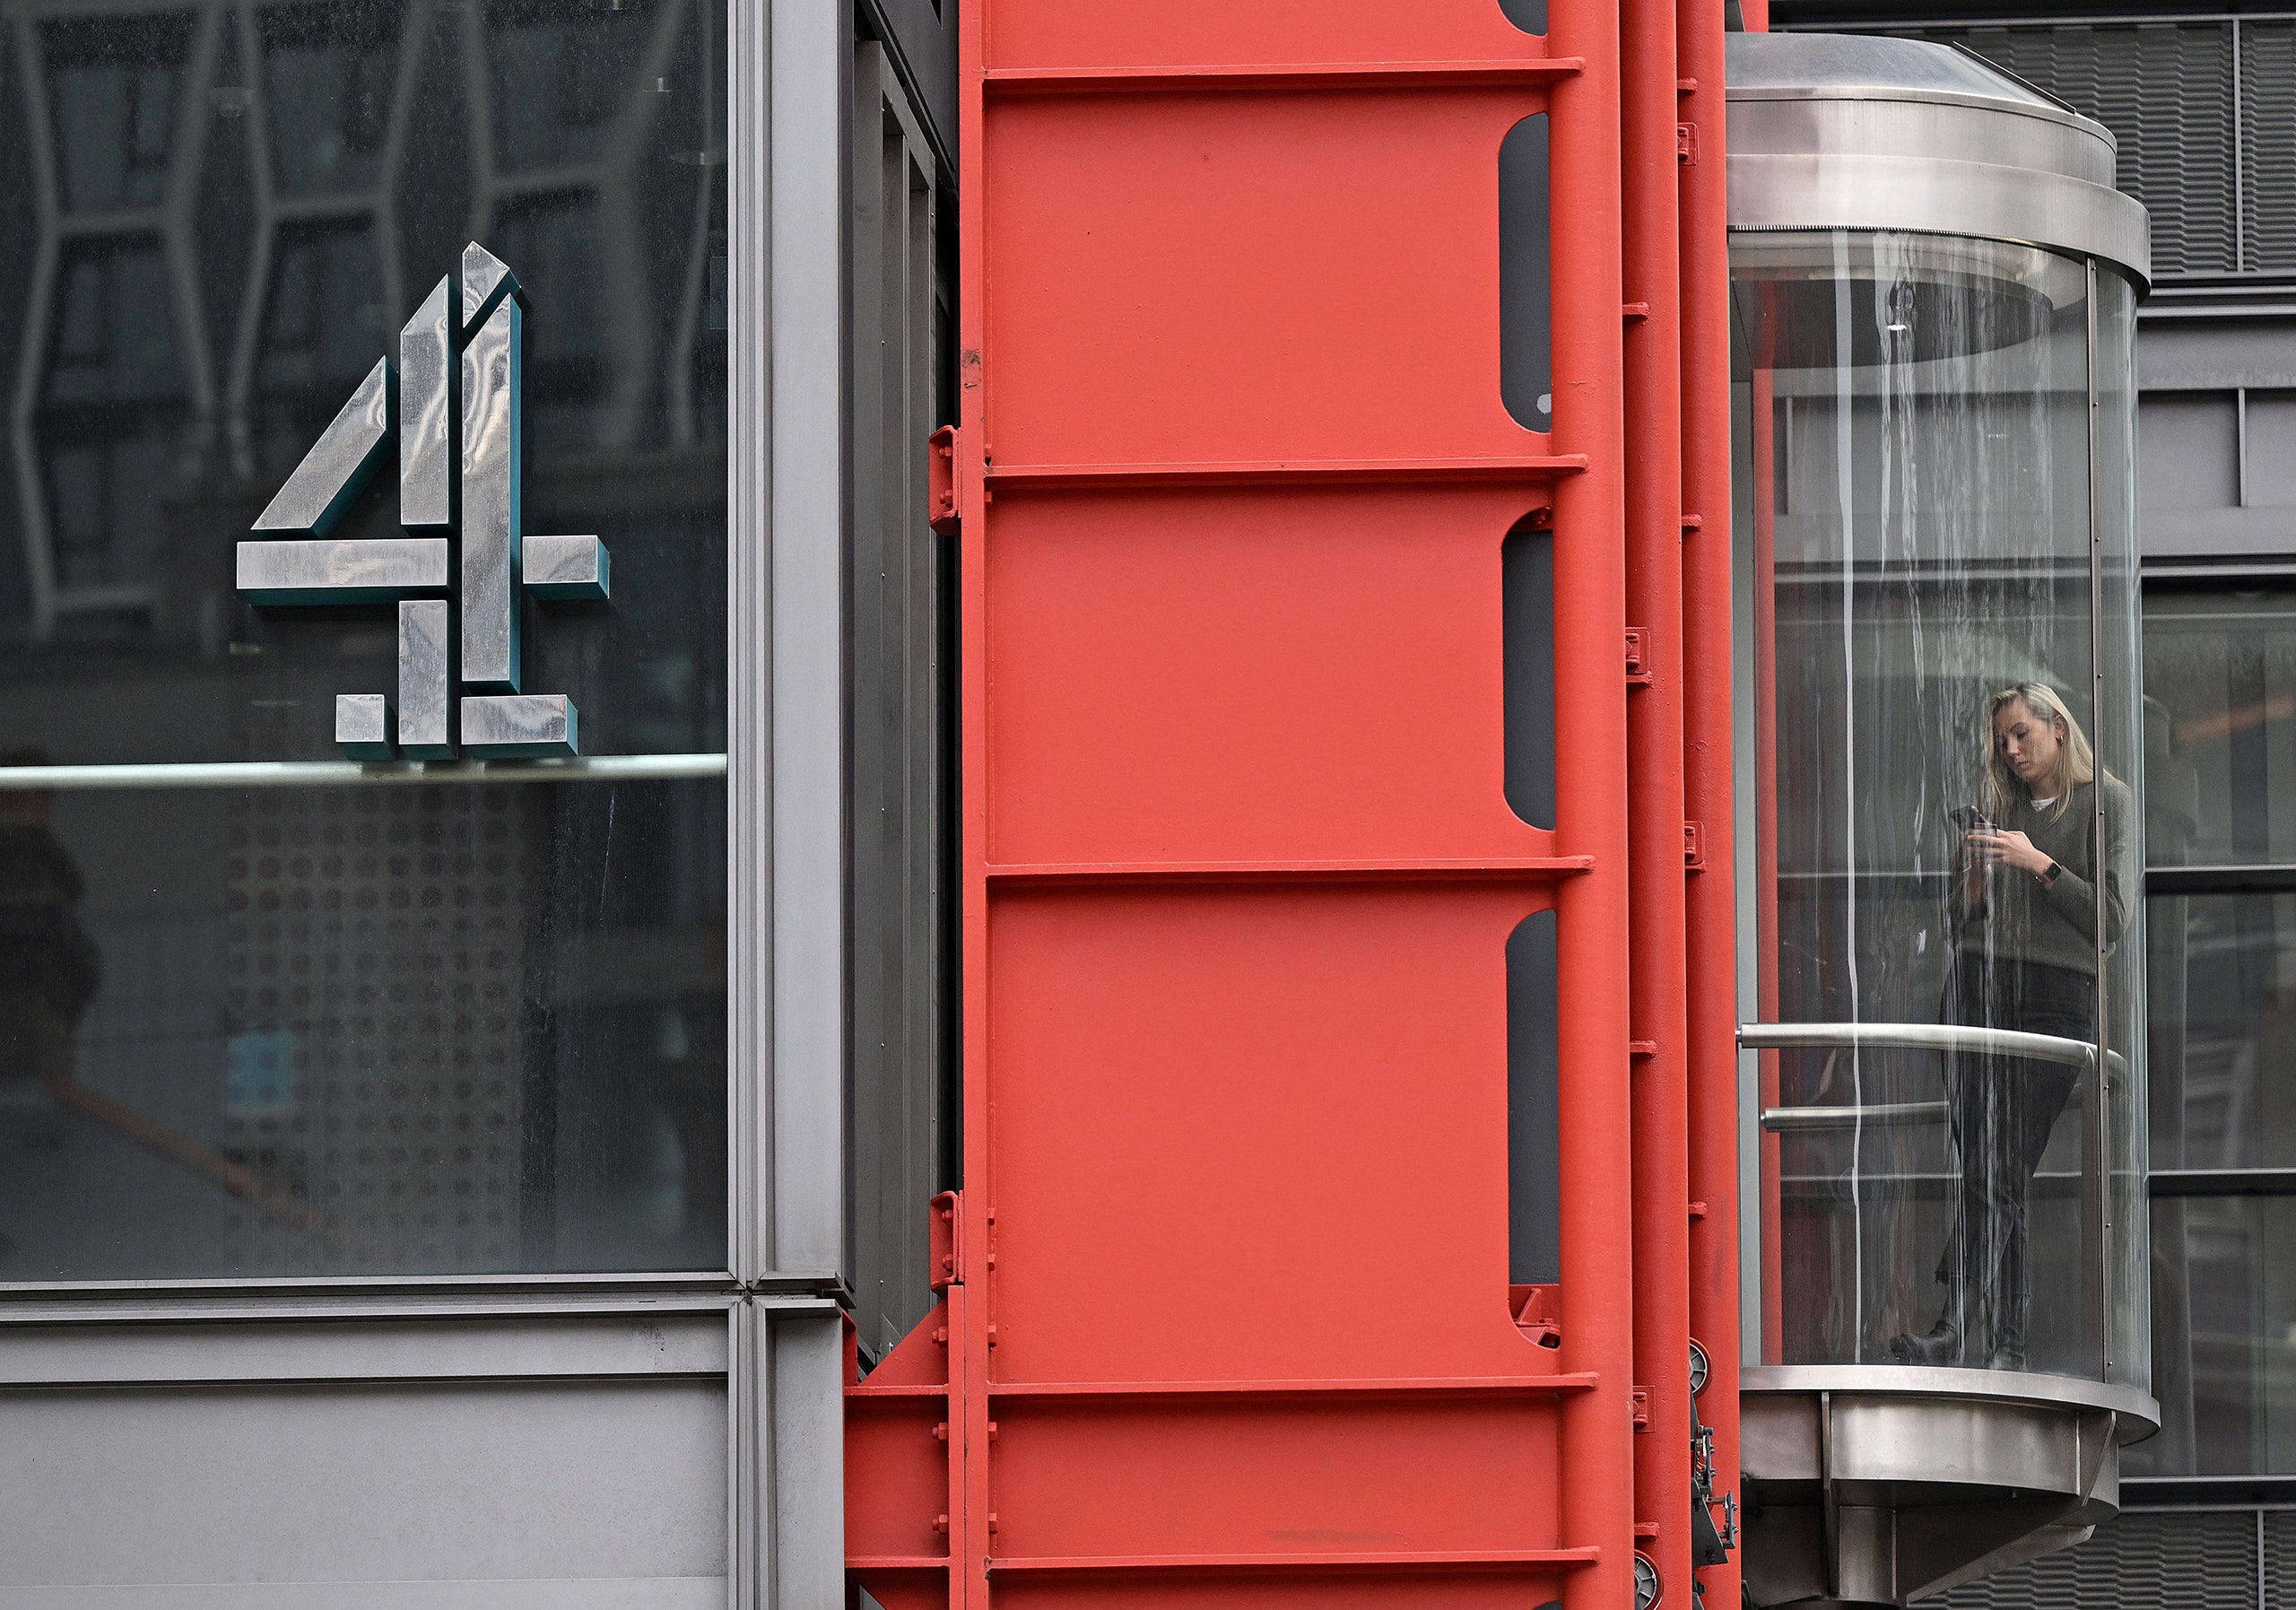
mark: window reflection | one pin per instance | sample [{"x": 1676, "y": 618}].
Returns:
[
  {"x": 400, "y": 1028},
  {"x": 114, "y": 91},
  {"x": 112, "y": 414},
  {"x": 2221, "y": 668},
  {"x": 2228, "y": 1370},
  {"x": 329, "y": 74}
]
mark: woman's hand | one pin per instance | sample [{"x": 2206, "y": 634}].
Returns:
[{"x": 2006, "y": 846}]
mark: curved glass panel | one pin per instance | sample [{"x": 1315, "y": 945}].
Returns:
[{"x": 1940, "y": 826}]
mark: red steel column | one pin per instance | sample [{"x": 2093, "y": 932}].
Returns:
[
  {"x": 1592, "y": 910},
  {"x": 1654, "y": 592},
  {"x": 1710, "y": 795},
  {"x": 1226, "y": 1317},
  {"x": 967, "y": 1311}
]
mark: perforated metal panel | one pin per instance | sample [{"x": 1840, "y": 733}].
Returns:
[
  {"x": 373, "y": 1080},
  {"x": 2194, "y": 1561}
]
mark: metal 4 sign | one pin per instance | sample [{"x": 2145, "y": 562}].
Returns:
[{"x": 471, "y": 455}]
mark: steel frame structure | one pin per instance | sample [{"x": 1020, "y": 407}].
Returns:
[{"x": 1225, "y": 1308}]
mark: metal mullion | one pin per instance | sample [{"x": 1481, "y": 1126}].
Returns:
[
  {"x": 2268, "y": 878},
  {"x": 802, "y": 1224},
  {"x": 2096, "y": 1129},
  {"x": 2185, "y": 1184},
  {"x": 2241, "y": 445},
  {"x": 749, "y": 815}
]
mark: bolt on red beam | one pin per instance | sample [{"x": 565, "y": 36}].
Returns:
[
  {"x": 1652, "y": 158},
  {"x": 1595, "y": 1162},
  {"x": 1710, "y": 796}
]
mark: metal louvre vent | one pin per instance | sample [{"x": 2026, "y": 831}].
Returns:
[
  {"x": 2165, "y": 90},
  {"x": 2268, "y": 143},
  {"x": 2162, "y": 1562},
  {"x": 2279, "y": 1552}
]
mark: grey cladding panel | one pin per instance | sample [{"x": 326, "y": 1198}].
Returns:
[
  {"x": 2212, "y": 354},
  {"x": 2272, "y": 449},
  {"x": 458, "y": 1485},
  {"x": 2188, "y": 451}
]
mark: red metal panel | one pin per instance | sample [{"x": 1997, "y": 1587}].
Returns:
[
  {"x": 1233, "y": 675},
  {"x": 1229, "y": 1320},
  {"x": 1339, "y": 238}
]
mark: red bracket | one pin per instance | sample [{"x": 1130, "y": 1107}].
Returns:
[
  {"x": 1686, "y": 145},
  {"x": 940, "y": 480},
  {"x": 945, "y": 1228},
  {"x": 1694, "y": 846},
  {"x": 1637, "y": 666},
  {"x": 1641, "y": 1410}
]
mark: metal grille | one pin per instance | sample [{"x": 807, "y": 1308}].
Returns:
[
  {"x": 2153, "y": 1560},
  {"x": 2161, "y": 1561},
  {"x": 2268, "y": 143},
  {"x": 2277, "y": 1550},
  {"x": 2165, "y": 90}
]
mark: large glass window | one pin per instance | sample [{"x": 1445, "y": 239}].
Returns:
[
  {"x": 2220, "y": 671},
  {"x": 459, "y": 1017}
]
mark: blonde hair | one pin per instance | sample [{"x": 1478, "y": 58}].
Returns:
[{"x": 2076, "y": 763}]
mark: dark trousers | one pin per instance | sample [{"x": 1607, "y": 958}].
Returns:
[{"x": 2003, "y": 1110}]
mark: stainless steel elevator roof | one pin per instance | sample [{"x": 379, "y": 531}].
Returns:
[{"x": 1860, "y": 131}]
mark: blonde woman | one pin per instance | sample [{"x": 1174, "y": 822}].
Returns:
[{"x": 2024, "y": 915}]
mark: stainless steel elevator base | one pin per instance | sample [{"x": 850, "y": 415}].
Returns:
[{"x": 1870, "y": 1485}]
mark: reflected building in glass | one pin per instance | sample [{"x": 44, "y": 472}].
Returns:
[{"x": 467, "y": 1027}]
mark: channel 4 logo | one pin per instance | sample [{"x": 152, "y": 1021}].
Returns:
[{"x": 462, "y": 565}]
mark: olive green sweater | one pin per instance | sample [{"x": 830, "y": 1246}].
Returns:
[{"x": 2020, "y": 919}]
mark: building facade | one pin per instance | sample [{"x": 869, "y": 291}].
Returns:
[{"x": 448, "y": 1189}]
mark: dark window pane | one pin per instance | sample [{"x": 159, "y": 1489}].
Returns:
[
  {"x": 2222, "y": 981},
  {"x": 2220, "y": 685},
  {"x": 2224, "y": 1338}
]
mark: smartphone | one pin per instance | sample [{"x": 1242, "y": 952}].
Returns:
[{"x": 1969, "y": 818}]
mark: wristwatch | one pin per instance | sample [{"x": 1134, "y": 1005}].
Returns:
[{"x": 2049, "y": 874}]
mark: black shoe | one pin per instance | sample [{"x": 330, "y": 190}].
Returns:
[{"x": 1941, "y": 1345}]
